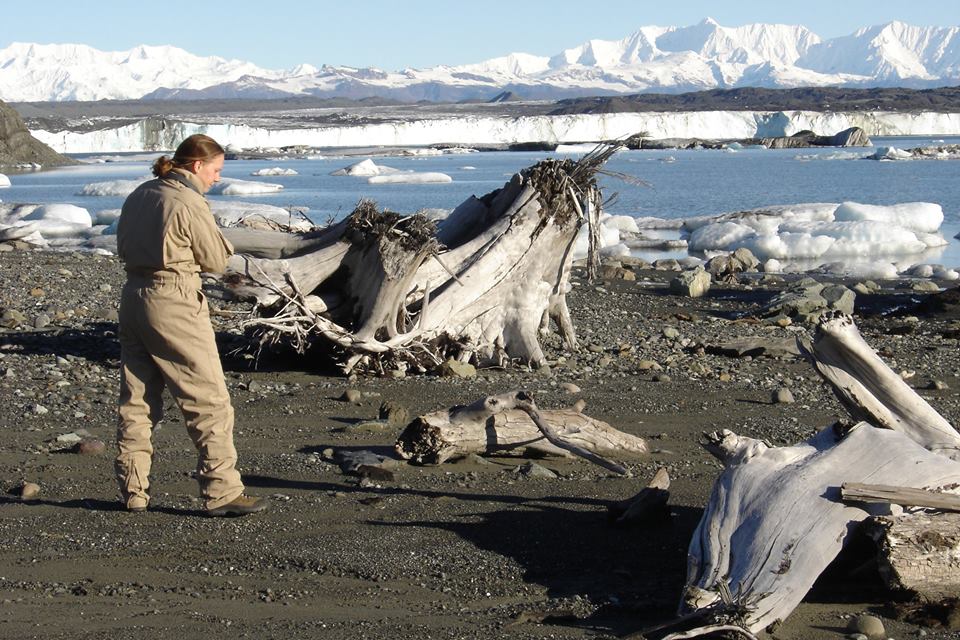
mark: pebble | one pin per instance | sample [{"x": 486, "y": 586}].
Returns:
[
  {"x": 671, "y": 333},
  {"x": 29, "y": 491},
  {"x": 783, "y": 396},
  {"x": 534, "y": 470},
  {"x": 580, "y": 405},
  {"x": 661, "y": 377},
  {"x": 646, "y": 365},
  {"x": 870, "y": 627},
  {"x": 90, "y": 447},
  {"x": 569, "y": 387},
  {"x": 352, "y": 396}
]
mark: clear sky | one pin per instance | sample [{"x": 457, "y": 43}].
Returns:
[{"x": 393, "y": 34}]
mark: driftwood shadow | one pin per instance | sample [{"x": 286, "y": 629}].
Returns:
[{"x": 636, "y": 573}]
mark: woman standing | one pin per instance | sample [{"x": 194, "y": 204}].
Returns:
[{"x": 165, "y": 237}]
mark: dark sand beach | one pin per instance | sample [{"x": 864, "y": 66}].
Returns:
[{"x": 469, "y": 549}]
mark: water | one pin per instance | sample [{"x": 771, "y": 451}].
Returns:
[{"x": 682, "y": 183}]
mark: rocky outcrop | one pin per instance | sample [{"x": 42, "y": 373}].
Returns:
[{"x": 18, "y": 147}]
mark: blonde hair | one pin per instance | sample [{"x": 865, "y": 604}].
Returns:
[{"x": 196, "y": 147}]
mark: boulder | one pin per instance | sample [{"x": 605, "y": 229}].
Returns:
[
  {"x": 693, "y": 283},
  {"x": 18, "y": 147}
]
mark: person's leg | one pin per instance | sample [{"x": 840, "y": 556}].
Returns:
[
  {"x": 184, "y": 349},
  {"x": 140, "y": 407}
]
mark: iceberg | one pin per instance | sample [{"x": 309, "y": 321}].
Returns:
[
  {"x": 364, "y": 169},
  {"x": 229, "y": 214},
  {"x": 4, "y": 181}
]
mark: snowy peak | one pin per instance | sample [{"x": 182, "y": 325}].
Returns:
[{"x": 671, "y": 59}]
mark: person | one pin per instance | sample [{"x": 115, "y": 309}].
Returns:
[{"x": 166, "y": 236}]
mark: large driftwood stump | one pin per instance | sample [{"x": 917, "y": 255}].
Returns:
[
  {"x": 391, "y": 291},
  {"x": 776, "y": 516},
  {"x": 500, "y": 423}
]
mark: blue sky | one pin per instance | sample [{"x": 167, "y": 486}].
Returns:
[{"x": 393, "y": 34}]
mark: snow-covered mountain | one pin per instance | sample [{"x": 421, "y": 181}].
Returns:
[{"x": 662, "y": 59}]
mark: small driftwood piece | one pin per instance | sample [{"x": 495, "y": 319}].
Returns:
[
  {"x": 904, "y": 496},
  {"x": 919, "y": 552},
  {"x": 508, "y": 421},
  {"x": 650, "y": 503},
  {"x": 776, "y": 517}
]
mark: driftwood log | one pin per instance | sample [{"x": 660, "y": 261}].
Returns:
[
  {"x": 776, "y": 517},
  {"x": 387, "y": 291},
  {"x": 509, "y": 421}
]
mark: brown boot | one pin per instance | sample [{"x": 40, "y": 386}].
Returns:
[{"x": 241, "y": 506}]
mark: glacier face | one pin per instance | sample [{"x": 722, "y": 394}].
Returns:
[
  {"x": 665, "y": 59},
  {"x": 151, "y": 134}
]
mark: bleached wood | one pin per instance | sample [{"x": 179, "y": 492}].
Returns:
[
  {"x": 873, "y": 392},
  {"x": 904, "y": 496},
  {"x": 775, "y": 519},
  {"x": 920, "y": 552},
  {"x": 504, "y": 422}
]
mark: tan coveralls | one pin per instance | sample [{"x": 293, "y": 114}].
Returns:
[{"x": 166, "y": 236}]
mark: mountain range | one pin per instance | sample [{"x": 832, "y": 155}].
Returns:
[{"x": 651, "y": 60}]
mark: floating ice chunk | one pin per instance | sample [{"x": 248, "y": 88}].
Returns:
[
  {"x": 365, "y": 169},
  {"x": 112, "y": 187},
  {"x": 862, "y": 269},
  {"x": 228, "y": 214},
  {"x": 237, "y": 187},
  {"x": 575, "y": 148},
  {"x": 720, "y": 236},
  {"x": 435, "y": 214},
  {"x": 62, "y": 213},
  {"x": 106, "y": 216},
  {"x": 468, "y": 168},
  {"x": 4, "y": 181},
  {"x": 890, "y": 153},
  {"x": 936, "y": 271},
  {"x": 772, "y": 266},
  {"x": 413, "y": 177},
  {"x": 623, "y": 223},
  {"x": 918, "y": 216},
  {"x": 649, "y": 222},
  {"x": 275, "y": 171},
  {"x": 615, "y": 251}
]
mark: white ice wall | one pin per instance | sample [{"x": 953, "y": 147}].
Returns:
[{"x": 477, "y": 130}]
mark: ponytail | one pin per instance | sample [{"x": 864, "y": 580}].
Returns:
[{"x": 194, "y": 148}]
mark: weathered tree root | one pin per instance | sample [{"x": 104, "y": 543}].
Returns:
[{"x": 390, "y": 291}]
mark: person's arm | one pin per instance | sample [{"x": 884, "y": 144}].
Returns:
[{"x": 210, "y": 249}]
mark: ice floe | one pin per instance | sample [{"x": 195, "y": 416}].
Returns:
[
  {"x": 120, "y": 188},
  {"x": 364, "y": 169},
  {"x": 275, "y": 171},
  {"x": 237, "y": 187},
  {"x": 4, "y": 181},
  {"x": 411, "y": 177}
]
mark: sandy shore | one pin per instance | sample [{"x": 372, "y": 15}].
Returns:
[{"x": 463, "y": 550}]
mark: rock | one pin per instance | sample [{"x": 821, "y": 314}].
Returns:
[
  {"x": 534, "y": 470},
  {"x": 670, "y": 333},
  {"x": 39, "y": 409},
  {"x": 746, "y": 258},
  {"x": 90, "y": 447},
  {"x": 41, "y": 321},
  {"x": 579, "y": 405},
  {"x": 693, "y": 283},
  {"x": 569, "y": 387},
  {"x": 604, "y": 362},
  {"x": 455, "y": 368},
  {"x": 12, "y": 319},
  {"x": 18, "y": 146},
  {"x": 37, "y": 292},
  {"x": 861, "y": 289},
  {"x": 361, "y": 462},
  {"x": 870, "y": 626},
  {"x": 396, "y": 415},
  {"x": 937, "y": 385},
  {"x": 925, "y": 286},
  {"x": 28, "y": 491},
  {"x": 662, "y": 377},
  {"x": 840, "y": 298},
  {"x": 352, "y": 396},
  {"x": 646, "y": 365},
  {"x": 594, "y": 348},
  {"x": 667, "y": 264},
  {"x": 755, "y": 347},
  {"x": 783, "y": 396},
  {"x": 254, "y": 386}
]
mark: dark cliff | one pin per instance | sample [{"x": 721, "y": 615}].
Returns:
[{"x": 17, "y": 146}]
